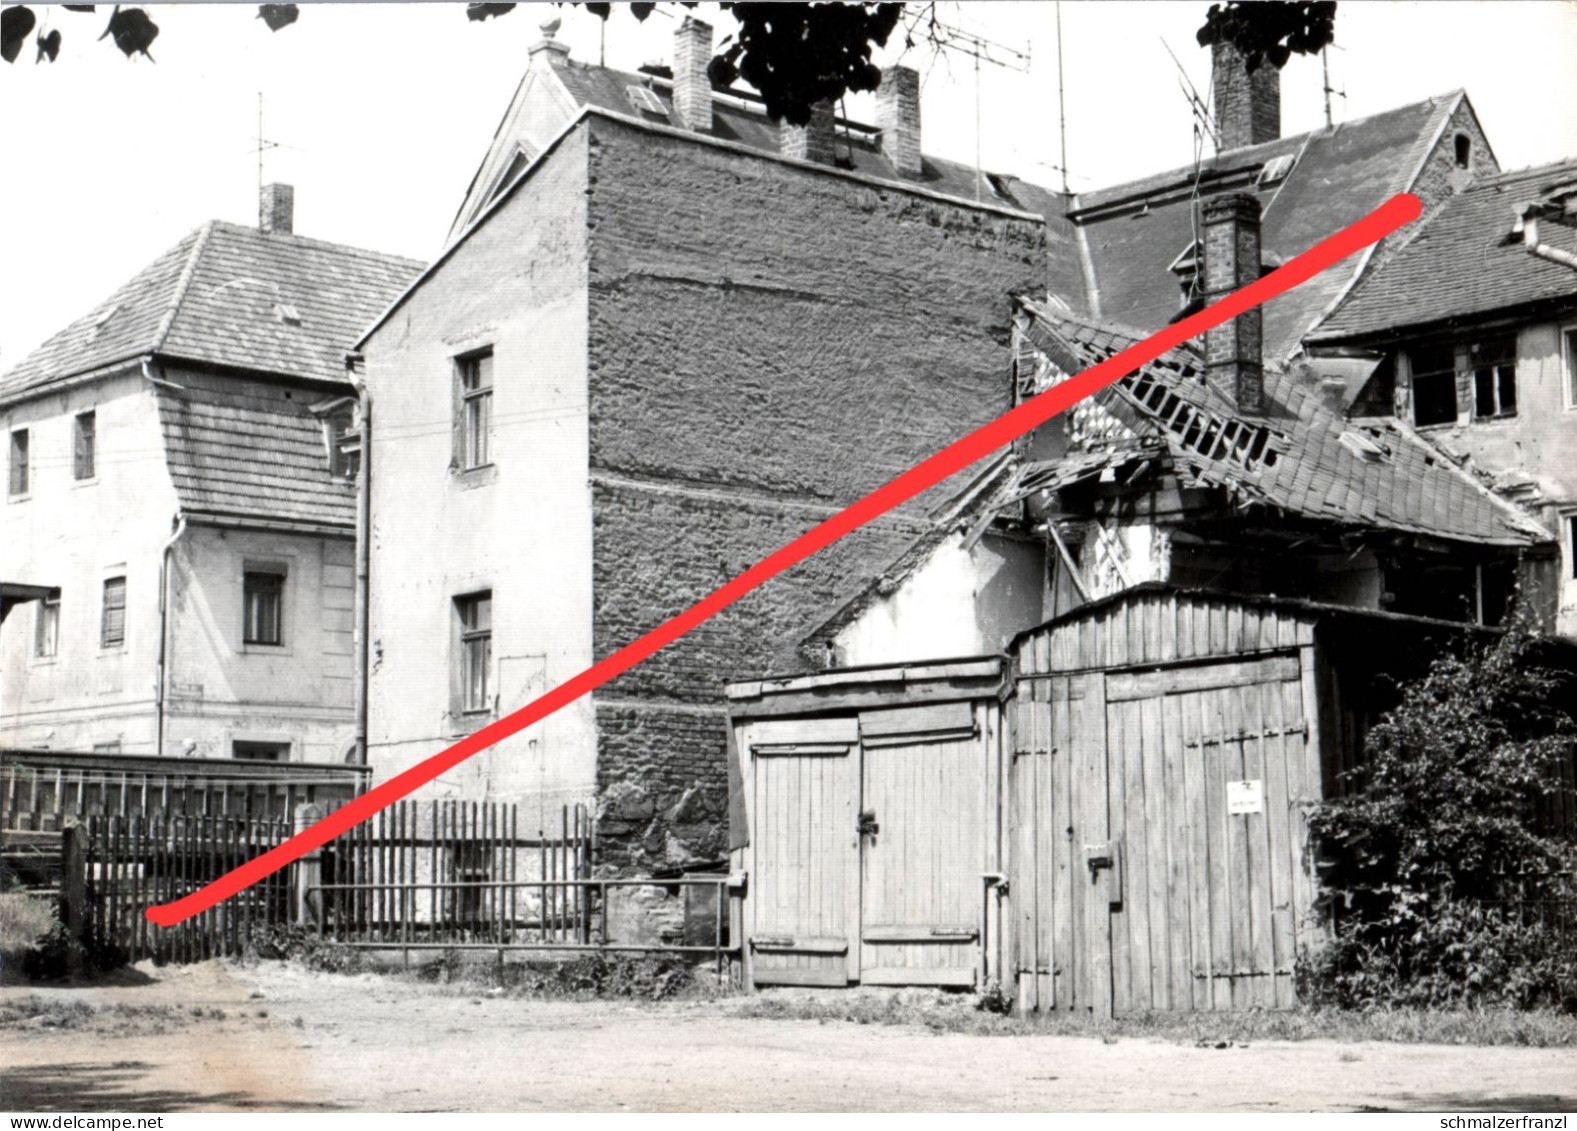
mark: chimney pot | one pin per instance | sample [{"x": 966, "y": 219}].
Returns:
[
  {"x": 1234, "y": 351},
  {"x": 692, "y": 85},
  {"x": 1247, "y": 108},
  {"x": 898, "y": 117},
  {"x": 813, "y": 141},
  {"x": 276, "y": 209}
]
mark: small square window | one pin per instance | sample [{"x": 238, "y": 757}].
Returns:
[
  {"x": 46, "y": 636},
  {"x": 264, "y": 601},
  {"x": 112, "y": 624},
  {"x": 18, "y": 481},
  {"x": 474, "y": 410},
  {"x": 475, "y": 616},
  {"x": 84, "y": 444}
]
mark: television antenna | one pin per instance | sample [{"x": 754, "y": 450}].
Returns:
[
  {"x": 263, "y": 146},
  {"x": 1325, "y": 68},
  {"x": 1196, "y": 102},
  {"x": 947, "y": 37}
]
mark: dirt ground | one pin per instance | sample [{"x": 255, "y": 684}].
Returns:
[{"x": 272, "y": 1037}]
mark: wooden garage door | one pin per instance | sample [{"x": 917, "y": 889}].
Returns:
[
  {"x": 924, "y": 846},
  {"x": 803, "y": 904},
  {"x": 1206, "y": 770}
]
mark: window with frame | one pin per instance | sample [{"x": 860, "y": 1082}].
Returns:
[
  {"x": 1434, "y": 385},
  {"x": 1571, "y": 545},
  {"x": 1493, "y": 363},
  {"x": 263, "y": 598},
  {"x": 84, "y": 445},
  {"x": 475, "y": 615},
  {"x": 474, "y": 378},
  {"x": 46, "y": 634},
  {"x": 18, "y": 481},
  {"x": 112, "y": 623},
  {"x": 344, "y": 442}
]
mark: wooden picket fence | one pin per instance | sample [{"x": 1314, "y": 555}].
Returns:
[
  {"x": 421, "y": 874},
  {"x": 115, "y": 867}
]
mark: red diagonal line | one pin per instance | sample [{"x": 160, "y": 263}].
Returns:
[{"x": 954, "y": 458}]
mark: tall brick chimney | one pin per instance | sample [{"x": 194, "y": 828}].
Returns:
[
  {"x": 811, "y": 142},
  {"x": 1247, "y": 107},
  {"x": 692, "y": 87},
  {"x": 898, "y": 117},
  {"x": 276, "y": 209},
  {"x": 1234, "y": 351}
]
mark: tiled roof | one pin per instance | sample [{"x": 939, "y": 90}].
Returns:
[
  {"x": 1464, "y": 261},
  {"x": 252, "y": 452},
  {"x": 1134, "y": 231},
  {"x": 226, "y": 295},
  {"x": 1303, "y": 457}
]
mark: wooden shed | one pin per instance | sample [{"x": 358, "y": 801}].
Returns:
[
  {"x": 1111, "y": 819},
  {"x": 870, "y": 801},
  {"x": 1167, "y": 747}
]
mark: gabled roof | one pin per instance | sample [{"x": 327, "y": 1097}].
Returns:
[
  {"x": 1304, "y": 457},
  {"x": 739, "y": 117},
  {"x": 232, "y": 296},
  {"x": 250, "y": 453},
  {"x": 1135, "y": 231},
  {"x": 1465, "y": 261}
]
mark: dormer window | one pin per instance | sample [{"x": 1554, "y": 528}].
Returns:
[{"x": 341, "y": 437}]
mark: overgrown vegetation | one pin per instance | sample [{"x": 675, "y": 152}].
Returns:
[
  {"x": 1448, "y": 871},
  {"x": 292, "y": 942}
]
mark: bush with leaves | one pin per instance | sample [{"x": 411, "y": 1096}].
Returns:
[{"x": 1446, "y": 886}]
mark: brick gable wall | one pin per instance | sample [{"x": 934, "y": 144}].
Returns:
[{"x": 766, "y": 344}]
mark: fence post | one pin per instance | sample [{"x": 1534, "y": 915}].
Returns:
[
  {"x": 309, "y": 869},
  {"x": 74, "y": 892}
]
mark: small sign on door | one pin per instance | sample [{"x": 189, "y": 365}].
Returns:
[{"x": 1245, "y": 797}]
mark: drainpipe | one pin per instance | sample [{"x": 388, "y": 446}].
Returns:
[
  {"x": 1527, "y": 226},
  {"x": 164, "y": 633},
  {"x": 362, "y": 651}
]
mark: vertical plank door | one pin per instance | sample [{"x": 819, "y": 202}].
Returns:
[
  {"x": 802, "y": 911},
  {"x": 926, "y": 771}
]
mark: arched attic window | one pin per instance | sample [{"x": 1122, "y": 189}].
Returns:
[{"x": 1464, "y": 151}]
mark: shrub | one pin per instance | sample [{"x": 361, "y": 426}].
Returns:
[{"x": 1445, "y": 887}]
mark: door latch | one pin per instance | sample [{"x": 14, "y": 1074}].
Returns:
[{"x": 868, "y": 825}]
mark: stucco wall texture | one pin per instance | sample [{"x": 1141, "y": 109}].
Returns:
[{"x": 766, "y": 343}]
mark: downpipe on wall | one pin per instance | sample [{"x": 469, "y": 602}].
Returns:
[
  {"x": 362, "y": 649},
  {"x": 164, "y": 630}
]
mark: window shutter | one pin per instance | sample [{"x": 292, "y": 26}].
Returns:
[{"x": 457, "y": 432}]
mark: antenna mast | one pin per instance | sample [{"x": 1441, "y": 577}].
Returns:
[
  {"x": 1325, "y": 67},
  {"x": 981, "y": 50},
  {"x": 1196, "y": 104},
  {"x": 263, "y": 146},
  {"x": 1062, "y": 103}
]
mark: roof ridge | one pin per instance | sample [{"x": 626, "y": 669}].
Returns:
[
  {"x": 314, "y": 241},
  {"x": 182, "y": 285}
]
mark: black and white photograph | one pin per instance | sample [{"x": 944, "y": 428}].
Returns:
[{"x": 789, "y": 557}]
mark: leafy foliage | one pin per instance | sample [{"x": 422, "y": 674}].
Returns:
[
  {"x": 132, "y": 30},
  {"x": 15, "y": 25},
  {"x": 1447, "y": 874},
  {"x": 1273, "y": 30},
  {"x": 277, "y": 16},
  {"x": 797, "y": 55}
]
